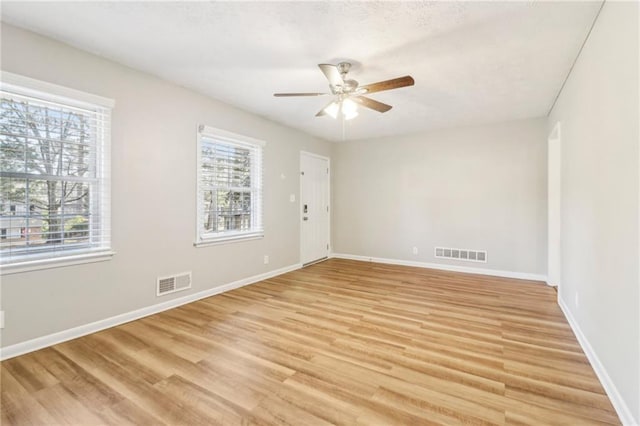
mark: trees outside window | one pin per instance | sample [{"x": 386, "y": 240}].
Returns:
[
  {"x": 229, "y": 186},
  {"x": 52, "y": 175}
]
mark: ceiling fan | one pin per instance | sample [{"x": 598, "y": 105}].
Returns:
[{"x": 349, "y": 94}]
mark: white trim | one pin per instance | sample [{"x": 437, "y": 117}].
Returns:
[
  {"x": 224, "y": 136},
  {"x": 214, "y": 133},
  {"x": 554, "y": 157},
  {"x": 626, "y": 417},
  {"x": 42, "y": 91},
  {"x": 442, "y": 267},
  {"x": 638, "y": 205},
  {"x": 73, "y": 95},
  {"x": 55, "y": 262},
  {"x": 83, "y": 330},
  {"x": 198, "y": 163},
  {"x": 312, "y": 154},
  {"x": 227, "y": 240}
]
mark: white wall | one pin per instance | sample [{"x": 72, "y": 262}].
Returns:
[
  {"x": 598, "y": 110},
  {"x": 477, "y": 187},
  {"x": 153, "y": 192}
]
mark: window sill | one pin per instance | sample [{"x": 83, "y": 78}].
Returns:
[
  {"x": 227, "y": 240},
  {"x": 35, "y": 265}
]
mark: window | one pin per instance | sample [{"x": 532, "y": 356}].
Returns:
[
  {"x": 229, "y": 186},
  {"x": 54, "y": 171}
]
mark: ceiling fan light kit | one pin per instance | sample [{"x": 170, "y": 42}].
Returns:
[
  {"x": 349, "y": 109},
  {"x": 346, "y": 107},
  {"x": 348, "y": 92},
  {"x": 332, "y": 109}
]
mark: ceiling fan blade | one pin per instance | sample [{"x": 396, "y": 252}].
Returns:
[
  {"x": 388, "y": 84},
  {"x": 279, "y": 95},
  {"x": 372, "y": 104},
  {"x": 332, "y": 74}
]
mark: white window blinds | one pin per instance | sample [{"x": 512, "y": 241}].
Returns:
[
  {"x": 54, "y": 172},
  {"x": 229, "y": 186}
]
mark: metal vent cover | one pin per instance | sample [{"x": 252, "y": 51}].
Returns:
[
  {"x": 173, "y": 283},
  {"x": 466, "y": 255}
]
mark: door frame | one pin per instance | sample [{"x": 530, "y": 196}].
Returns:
[
  {"x": 300, "y": 214},
  {"x": 554, "y": 218}
]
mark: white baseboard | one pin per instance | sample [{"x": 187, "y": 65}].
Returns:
[
  {"x": 73, "y": 333},
  {"x": 609, "y": 387},
  {"x": 452, "y": 268}
]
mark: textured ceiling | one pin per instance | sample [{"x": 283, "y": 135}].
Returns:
[{"x": 473, "y": 62}]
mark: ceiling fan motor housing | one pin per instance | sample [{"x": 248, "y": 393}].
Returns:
[
  {"x": 343, "y": 68},
  {"x": 349, "y": 86},
  {"x": 346, "y": 86}
]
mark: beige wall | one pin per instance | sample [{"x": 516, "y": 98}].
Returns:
[
  {"x": 598, "y": 111},
  {"x": 153, "y": 191},
  {"x": 478, "y": 187}
]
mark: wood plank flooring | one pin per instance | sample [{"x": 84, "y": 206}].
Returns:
[{"x": 339, "y": 342}]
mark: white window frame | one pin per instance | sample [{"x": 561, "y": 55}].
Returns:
[
  {"x": 78, "y": 99},
  {"x": 214, "y": 238}
]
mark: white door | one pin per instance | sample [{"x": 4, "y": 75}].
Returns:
[
  {"x": 554, "y": 194},
  {"x": 314, "y": 207}
]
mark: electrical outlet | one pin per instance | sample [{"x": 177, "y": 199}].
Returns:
[
  {"x": 292, "y": 198},
  {"x": 266, "y": 259},
  {"x": 1, "y": 319},
  {"x": 577, "y": 299},
  {"x": 415, "y": 250}
]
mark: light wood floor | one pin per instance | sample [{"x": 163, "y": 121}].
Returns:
[{"x": 340, "y": 342}]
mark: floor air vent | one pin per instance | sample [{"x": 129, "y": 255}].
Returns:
[
  {"x": 461, "y": 254},
  {"x": 173, "y": 283}
]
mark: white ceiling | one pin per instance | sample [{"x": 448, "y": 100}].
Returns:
[{"x": 473, "y": 62}]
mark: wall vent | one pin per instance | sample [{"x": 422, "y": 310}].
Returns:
[
  {"x": 461, "y": 254},
  {"x": 173, "y": 283}
]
